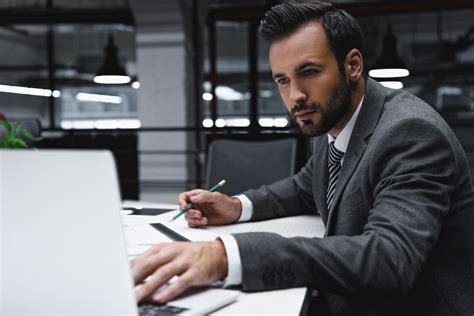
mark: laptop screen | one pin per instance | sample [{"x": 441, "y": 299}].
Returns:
[{"x": 63, "y": 246}]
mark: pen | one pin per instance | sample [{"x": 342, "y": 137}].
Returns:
[{"x": 190, "y": 205}]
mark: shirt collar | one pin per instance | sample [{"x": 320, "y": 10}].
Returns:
[{"x": 342, "y": 140}]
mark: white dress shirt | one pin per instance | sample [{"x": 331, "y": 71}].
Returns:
[{"x": 234, "y": 263}]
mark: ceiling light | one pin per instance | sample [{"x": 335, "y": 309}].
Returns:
[
  {"x": 91, "y": 97},
  {"x": 228, "y": 94},
  {"x": 101, "y": 124},
  {"x": 206, "y": 96},
  {"x": 392, "y": 84},
  {"x": 207, "y": 123},
  {"x": 220, "y": 122},
  {"x": 389, "y": 73},
  {"x": 237, "y": 122},
  {"x": 273, "y": 122},
  {"x": 389, "y": 64},
  {"x": 280, "y": 122},
  {"x": 30, "y": 91},
  {"x": 136, "y": 85},
  {"x": 265, "y": 122},
  {"x": 111, "y": 72}
]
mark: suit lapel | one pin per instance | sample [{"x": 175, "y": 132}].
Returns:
[
  {"x": 366, "y": 122},
  {"x": 321, "y": 173}
]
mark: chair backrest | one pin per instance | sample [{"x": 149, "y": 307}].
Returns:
[
  {"x": 249, "y": 164},
  {"x": 33, "y": 125}
]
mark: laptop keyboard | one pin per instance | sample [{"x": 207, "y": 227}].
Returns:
[{"x": 160, "y": 310}]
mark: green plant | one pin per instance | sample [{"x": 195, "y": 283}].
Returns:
[{"x": 16, "y": 136}]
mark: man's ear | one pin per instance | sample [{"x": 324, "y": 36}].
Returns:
[{"x": 354, "y": 65}]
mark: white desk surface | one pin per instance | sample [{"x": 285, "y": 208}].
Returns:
[{"x": 140, "y": 236}]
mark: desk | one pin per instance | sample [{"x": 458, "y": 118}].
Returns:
[{"x": 140, "y": 236}]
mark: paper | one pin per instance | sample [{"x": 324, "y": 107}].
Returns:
[
  {"x": 301, "y": 226},
  {"x": 132, "y": 220},
  {"x": 138, "y": 204},
  {"x": 138, "y": 230}
]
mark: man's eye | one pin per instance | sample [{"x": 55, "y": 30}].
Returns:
[
  {"x": 309, "y": 72},
  {"x": 282, "y": 81}
]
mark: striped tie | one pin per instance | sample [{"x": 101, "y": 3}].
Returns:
[{"x": 334, "y": 166}]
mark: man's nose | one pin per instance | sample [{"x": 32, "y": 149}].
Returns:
[{"x": 297, "y": 96}]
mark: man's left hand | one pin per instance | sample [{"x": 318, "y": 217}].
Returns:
[{"x": 194, "y": 263}]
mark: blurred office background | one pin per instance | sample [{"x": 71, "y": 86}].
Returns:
[{"x": 198, "y": 71}]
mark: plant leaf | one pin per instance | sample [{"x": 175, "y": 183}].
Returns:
[
  {"x": 5, "y": 124},
  {"x": 16, "y": 128},
  {"x": 30, "y": 136},
  {"x": 19, "y": 143},
  {"x": 27, "y": 134}
]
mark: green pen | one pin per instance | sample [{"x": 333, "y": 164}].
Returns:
[{"x": 190, "y": 205}]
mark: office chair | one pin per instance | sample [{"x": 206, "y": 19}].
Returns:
[{"x": 249, "y": 164}]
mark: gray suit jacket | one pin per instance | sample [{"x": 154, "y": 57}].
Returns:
[{"x": 400, "y": 238}]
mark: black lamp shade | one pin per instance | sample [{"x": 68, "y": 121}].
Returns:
[
  {"x": 389, "y": 64},
  {"x": 390, "y": 57},
  {"x": 111, "y": 67}
]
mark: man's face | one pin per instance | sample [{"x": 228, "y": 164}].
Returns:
[{"x": 316, "y": 94}]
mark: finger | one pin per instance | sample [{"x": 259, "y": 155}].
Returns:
[
  {"x": 158, "y": 279},
  {"x": 193, "y": 214},
  {"x": 174, "y": 289},
  {"x": 144, "y": 264},
  {"x": 183, "y": 200},
  {"x": 161, "y": 269},
  {"x": 201, "y": 197},
  {"x": 184, "y": 197},
  {"x": 193, "y": 222}
]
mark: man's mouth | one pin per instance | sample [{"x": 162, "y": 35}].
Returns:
[{"x": 303, "y": 115}]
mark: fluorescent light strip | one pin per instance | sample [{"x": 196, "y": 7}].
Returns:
[
  {"x": 265, "y": 122},
  {"x": 91, "y": 97},
  {"x": 280, "y": 122},
  {"x": 112, "y": 79},
  {"x": 273, "y": 121},
  {"x": 30, "y": 91},
  {"x": 101, "y": 124},
  {"x": 207, "y": 123},
  {"x": 220, "y": 122},
  {"x": 244, "y": 122},
  {"x": 392, "y": 84},
  {"x": 389, "y": 73},
  {"x": 238, "y": 122},
  {"x": 224, "y": 93}
]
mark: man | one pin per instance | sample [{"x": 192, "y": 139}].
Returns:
[{"x": 387, "y": 175}]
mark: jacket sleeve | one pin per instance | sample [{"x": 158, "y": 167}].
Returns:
[{"x": 412, "y": 169}]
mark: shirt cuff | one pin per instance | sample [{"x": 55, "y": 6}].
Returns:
[
  {"x": 234, "y": 264},
  {"x": 247, "y": 208}
]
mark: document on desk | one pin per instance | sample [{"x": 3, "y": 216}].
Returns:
[
  {"x": 302, "y": 226},
  {"x": 140, "y": 233},
  {"x": 294, "y": 226}
]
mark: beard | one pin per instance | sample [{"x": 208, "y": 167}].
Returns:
[{"x": 331, "y": 113}]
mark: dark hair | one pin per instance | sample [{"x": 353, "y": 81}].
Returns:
[{"x": 342, "y": 30}]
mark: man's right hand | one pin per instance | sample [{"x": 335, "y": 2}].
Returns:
[{"x": 209, "y": 208}]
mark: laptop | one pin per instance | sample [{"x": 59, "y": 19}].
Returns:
[{"x": 63, "y": 248}]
